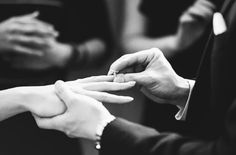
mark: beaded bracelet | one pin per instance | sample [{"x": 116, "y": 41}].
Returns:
[{"x": 99, "y": 131}]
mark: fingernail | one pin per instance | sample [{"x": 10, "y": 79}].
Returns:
[
  {"x": 129, "y": 99},
  {"x": 132, "y": 83}
]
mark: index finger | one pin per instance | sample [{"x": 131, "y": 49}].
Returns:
[{"x": 138, "y": 58}]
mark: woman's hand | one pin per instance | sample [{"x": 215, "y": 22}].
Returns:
[{"x": 43, "y": 102}]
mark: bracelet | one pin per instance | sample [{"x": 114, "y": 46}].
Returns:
[{"x": 99, "y": 131}]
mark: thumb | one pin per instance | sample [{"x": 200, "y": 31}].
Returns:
[
  {"x": 49, "y": 123},
  {"x": 45, "y": 123},
  {"x": 64, "y": 92}
]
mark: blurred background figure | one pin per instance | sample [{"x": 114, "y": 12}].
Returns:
[
  {"x": 42, "y": 41},
  {"x": 177, "y": 28}
]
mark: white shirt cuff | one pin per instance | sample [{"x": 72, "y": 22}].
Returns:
[{"x": 182, "y": 113}]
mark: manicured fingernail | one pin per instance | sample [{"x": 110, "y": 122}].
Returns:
[
  {"x": 132, "y": 83},
  {"x": 129, "y": 99}
]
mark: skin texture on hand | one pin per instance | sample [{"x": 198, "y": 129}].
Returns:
[
  {"x": 43, "y": 101},
  {"x": 98, "y": 86},
  {"x": 157, "y": 78},
  {"x": 82, "y": 117},
  {"x": 9, "y": 103}
]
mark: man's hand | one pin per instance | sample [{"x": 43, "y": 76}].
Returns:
[
  {"x": 158, "y": 80},
  {"x": 82, "y": 117}
]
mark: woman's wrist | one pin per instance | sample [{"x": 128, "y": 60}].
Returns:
[
  {"x": 20, "y": 98},
  {"x": 12, "y": 103}
]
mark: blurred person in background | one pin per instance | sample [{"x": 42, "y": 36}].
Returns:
[
  {"x": 174, "y": 27},
  {"x": 179, "y": 29},
  {"x": 39, "y": 41}
]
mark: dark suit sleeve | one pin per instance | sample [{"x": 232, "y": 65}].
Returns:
[{"x": 122, "y": 137}]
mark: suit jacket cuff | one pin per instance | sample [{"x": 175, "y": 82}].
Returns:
[{"x": 120, "y": 136}]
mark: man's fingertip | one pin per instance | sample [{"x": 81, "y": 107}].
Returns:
[{"x": 110, "y": 72}]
